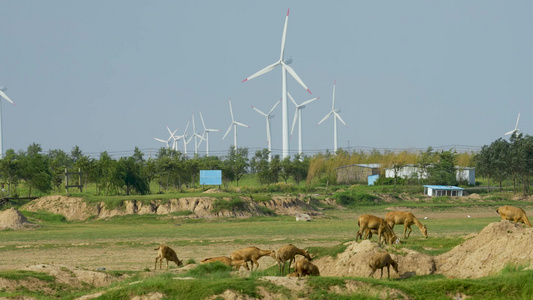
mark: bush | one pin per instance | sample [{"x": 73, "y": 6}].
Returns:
[
  {"x": 353, "y": 198},
  {"x": 235, "y": 204}
]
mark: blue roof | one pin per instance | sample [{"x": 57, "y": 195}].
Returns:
[{"x": 444, "y": 187}]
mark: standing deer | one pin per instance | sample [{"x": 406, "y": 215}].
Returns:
[
  {"x": 251, "y": 254},
  {"x": 407, "y": 219},
  {"x": 514, "y": 214},
  {"x": 167, "y": 253},
  {"x": 288, "y": 253},
  {"x": 381, "y": 260}
]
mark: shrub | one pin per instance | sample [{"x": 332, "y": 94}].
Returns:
[
  {"x": 235, "y": 204},
  {"x": 353, "y": 198}
]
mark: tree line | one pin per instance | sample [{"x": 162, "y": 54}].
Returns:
[{"x": 507, "y": 160}]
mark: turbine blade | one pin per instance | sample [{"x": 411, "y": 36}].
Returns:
[
  {"x": 295, "y": 76},
  {"x": 339, "y": 116},
  {"x": 231, "y": 111},
  {"x": 294, "y": 119},
  {"x": 284, "y": 36},
  {"x": 325, "y": 118},
  {"x": 309, "y": 101},
  {"x": 274, "y": 107},
  {"x": 333, "y": 102},
  {"x": 3, "y": 95},
  {"x": 202, "y": 118},
  {"x": 160, "y": 140},
  {"x": 262, "y": 71},
  {"x": 187, "y": 127},
  {"x": 516, "y": 126},
  {"x": 259, "y": 111},
  {"x": 292, "y": 99},
  {"x": 241, "y": 124},
  {"x": 229, "y": 129}
]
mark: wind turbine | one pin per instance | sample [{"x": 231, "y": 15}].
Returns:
[
  {"x": 168, "y": 140},
  {"x": 196, "y": 135},
  {"x": 234, "y": 125},
  {"x": 174, "y": 138},
  {"x": 335, "y": 113},
  {"x": 268, "y": 117},
  {"x": 515, "y": 127},
  {"x": 206, "y": 133},
  {"x": 284, "y": 69},
  {"x": 2, "y": 95},
  {"x": 298, "y": 116},
  {"x": 184, "y": 138}
]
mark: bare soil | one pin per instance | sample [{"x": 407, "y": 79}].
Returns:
[{"x": 482, "y": 254}]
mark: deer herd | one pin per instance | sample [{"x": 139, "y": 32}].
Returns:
[{"x": 368, "y": 225}]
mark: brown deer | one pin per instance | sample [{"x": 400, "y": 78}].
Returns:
[
  {"x": 407, "y": 219},
  {"x": 381, "y": 260},
  {"x": 288, "y": 253},
  {"x": 304, "y": 267},
  {"x": 372, "y": 222},
  {"x": 514, "y": 214},
  {"x": 235, "y": 264},
  {"x": 167, "y": 253},
  {"x": 251, "y": 254}
]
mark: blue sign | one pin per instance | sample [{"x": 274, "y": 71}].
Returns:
[{"x": 210, "y": 177}]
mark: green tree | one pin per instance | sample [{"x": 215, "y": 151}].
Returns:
[
  {"x": 236, "y": 163},
  {"x": 443, "y": 172},
  {"x": 59, "y": 161},
  {"x": 34, "y": 169},
  {"x": 9, "y": 170},
  {"x": 129, "y": 176},
  {"x": 287, "y": 169}
]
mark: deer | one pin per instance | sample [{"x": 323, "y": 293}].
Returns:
[
  {"x": 235, "y": 264},
  {"x": 304, "y": 267},
  {"x": 514, "y": 214},
  {"x": 167, "y": 253},
  {"x": 407, "y": 219},
  {"x": 372, "y": 222},
  {"x": 251, "y": 254},
  {"x": 381, "y": 260},
  {"x": 289, "y": 253}
]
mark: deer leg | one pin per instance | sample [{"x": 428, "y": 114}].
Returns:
[{"x": 388, "y": 271}]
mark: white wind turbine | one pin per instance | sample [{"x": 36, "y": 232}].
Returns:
[
  {"x": 515, "y": 127},
  {"x": 174, "y": 138},
  {"x": 268, "y": 117},
  {"x": 284, "y": 68},
  {"x": 196, "y": 136},
  {"x": 2, "y": 95},
  {"x": 206, "y": 133},
  {"x": 298, "y": 116},
  {"x": 168, "y": 140},
  {"x": 335, "y": 113},
  {"x": 184, "y": 138},
  {"x": 234, "y": 126}
]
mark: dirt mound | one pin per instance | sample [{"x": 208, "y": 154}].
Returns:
[
  {"x": 75, "y": 209},
  {"x": 13, "y": 219},
  {"x": 354, "y": 261},
  {"x": 72, "y": 208},
  {"x": 64, "y": 275},
  {"x": 498, "y": 244}
]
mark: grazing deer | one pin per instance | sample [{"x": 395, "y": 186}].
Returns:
[
  {"x": 407, "y": 219},
  {"x": 288, "y": 253},
  {"x": 251, "y": 254},
  {"x": 167, "y": 253}
]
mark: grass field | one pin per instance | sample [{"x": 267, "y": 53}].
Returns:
[{"x": 124, "y": 245}]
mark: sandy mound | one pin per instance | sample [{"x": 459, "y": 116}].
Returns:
[
  {"x": 75, "y": 209},
  {"x": 72, "y": 208},
  {"x": 354, "y": 261},
  {"x": 12, "y": 218},
  {"x": 498, "y": 244}
]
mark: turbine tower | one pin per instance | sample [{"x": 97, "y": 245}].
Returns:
[
  {"x": 268, "y": 117},
  {"x": 206, "y": 133},
  {"x": 298, "y": 116},
  {"x": 234, "y": 126},
  {"x": 284, "y": 69},
  {"x": 196, "y": 136},
  {"x": 335, "y": 113},
  {"x": 516, "y": 130},
  {"x": 2, "y": 95}
]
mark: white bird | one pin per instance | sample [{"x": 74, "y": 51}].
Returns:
[
  {"x": 425, "y": 218},
  {"x": 468, "y": 216}
]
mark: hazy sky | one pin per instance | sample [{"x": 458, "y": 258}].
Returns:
[{"x": 111, "y": 75}]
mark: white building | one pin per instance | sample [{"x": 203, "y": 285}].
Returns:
[
  {"x": 443, "y": 190},
  {"x": 412, "y": 171}
]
